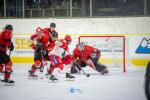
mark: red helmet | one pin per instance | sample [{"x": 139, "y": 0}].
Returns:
[
  {"x": 38, "y": 30},
  {"x": 68, "y": 38}
]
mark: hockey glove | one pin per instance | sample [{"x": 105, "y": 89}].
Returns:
[
  {"x": 39, "y": 46},
  {"x": 45, "y": 54},
  {"x": 11, "y": 47}
]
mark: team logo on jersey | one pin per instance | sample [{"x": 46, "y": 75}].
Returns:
[{"x": 144, "y": 46}]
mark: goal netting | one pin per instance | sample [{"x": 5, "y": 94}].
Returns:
[{"x": 112, "y": 50}]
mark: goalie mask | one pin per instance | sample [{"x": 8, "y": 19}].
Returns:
[{"x": 81, "y": 46}]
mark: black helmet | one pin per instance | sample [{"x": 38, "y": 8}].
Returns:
[
  {"x": 52, "y": 25},
  {"x": 9, "y": 27}
]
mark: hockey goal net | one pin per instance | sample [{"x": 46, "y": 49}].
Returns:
[{"x": 112, "y": 50}]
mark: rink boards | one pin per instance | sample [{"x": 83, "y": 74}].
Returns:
[{"x": 23, "y": 53}]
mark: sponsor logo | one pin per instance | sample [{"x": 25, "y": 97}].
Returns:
[{"x": 144, "y": 46}]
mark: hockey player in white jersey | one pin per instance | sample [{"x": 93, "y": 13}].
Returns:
[{"x": 59, "y": 57}]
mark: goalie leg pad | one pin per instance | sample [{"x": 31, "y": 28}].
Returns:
[
  {"x": 101, "y": 68},
  {"x": 90, "y": 63},
  {"x": 75, "y": 68},
  {"x": 94, "y": 58}
]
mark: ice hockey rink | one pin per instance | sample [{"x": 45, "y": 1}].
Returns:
[
  {"x": 119, "y": 29},
  {"x": 116, "y": 86}
]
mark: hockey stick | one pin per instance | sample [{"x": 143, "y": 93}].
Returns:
[
  {"x": 9, "y": 53},
  {"x": 87, "y": 75},
  {"x": 9, "y": 57}
]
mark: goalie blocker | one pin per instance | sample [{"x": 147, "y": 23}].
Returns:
[{"x": 87, "y": 55}]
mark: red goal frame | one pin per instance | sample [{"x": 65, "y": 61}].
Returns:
[{"x": 124, "y": 49}]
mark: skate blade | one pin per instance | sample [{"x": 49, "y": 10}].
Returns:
[
  {"x": 9, "y": 84},
  {"x": 68, "y": 79},
  {"x": 55, "y": 81},
  {"x": 33, "y": 78},
  {"x": 106, "y": 74},
  {"x": 41, "y": 77}
]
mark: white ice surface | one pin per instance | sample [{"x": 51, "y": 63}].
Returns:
[{"x": 116, "y": 86}]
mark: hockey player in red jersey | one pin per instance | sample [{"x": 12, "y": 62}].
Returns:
[
  {"x": 87, "y": 55},
  {"x": 5, "y": 44},
  {"x": 49, "y": 36},
  {"x": 62, "y": 53},
  {"x": 36, "y": 46},
  {"x": 43, "y": 43}
]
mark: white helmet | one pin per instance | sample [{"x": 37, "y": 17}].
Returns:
[{"x": 81, "y": 46}]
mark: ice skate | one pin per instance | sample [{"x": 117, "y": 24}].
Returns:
[
  {"x": 105, "y": 72},
  {"x": 32, "y": 76},
  {"x": 53, "y": 79},
  {"x": 69, "y": 77},
  {"x": 8, "y": 82},
  {"x": 48, "y": 75}
]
